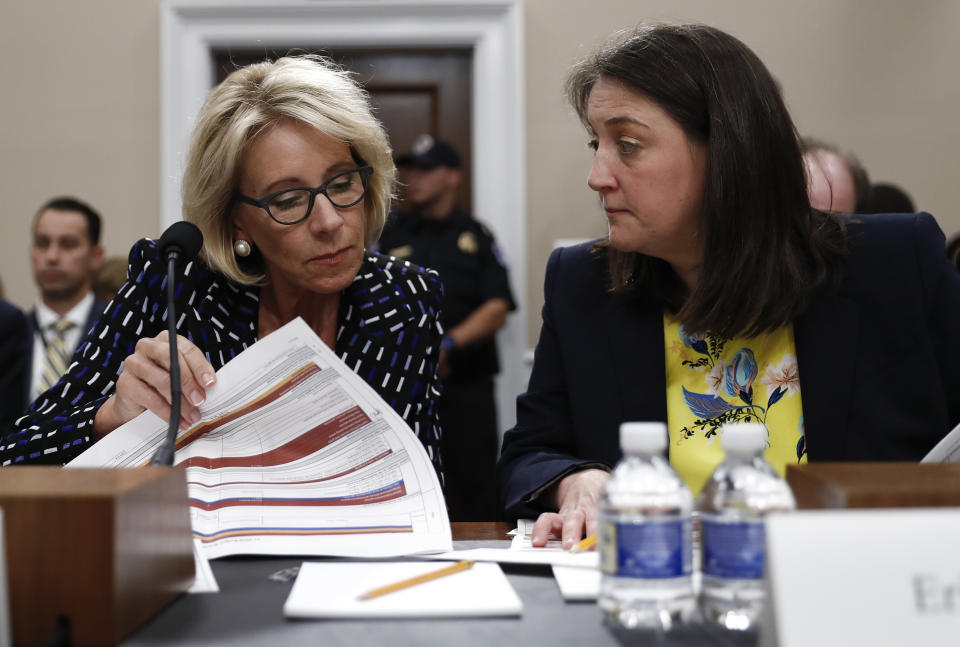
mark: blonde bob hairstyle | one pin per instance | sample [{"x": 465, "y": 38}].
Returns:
[{"x": 254, "y": 99}]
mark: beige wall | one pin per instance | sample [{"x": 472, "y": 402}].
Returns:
[
  {"x": 79, "y": 114},
  {"x": 80, "y": 108}
]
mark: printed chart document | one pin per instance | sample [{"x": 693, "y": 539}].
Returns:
[
  {"x": 947, "y": 450},
  {"x": 295, "y": 455},
  {"x": 333, "y": 589}
]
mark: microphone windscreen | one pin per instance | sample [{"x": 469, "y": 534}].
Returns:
[{"x": 182, "y": 237}]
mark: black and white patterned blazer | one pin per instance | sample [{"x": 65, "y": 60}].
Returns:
[{"x": 388, "y": 332}]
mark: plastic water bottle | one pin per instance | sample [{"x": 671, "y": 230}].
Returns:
[
  {"x": 644, "y": 536},
  {"x": 731, "y": 508}
]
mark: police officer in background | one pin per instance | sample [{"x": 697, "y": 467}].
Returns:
[{"x": 434, "y": 232}]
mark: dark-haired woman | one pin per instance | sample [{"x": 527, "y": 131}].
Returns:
[{"x": 719, "y": 294}]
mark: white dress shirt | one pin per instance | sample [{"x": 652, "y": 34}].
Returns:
[{"x": 45, "y": 319}]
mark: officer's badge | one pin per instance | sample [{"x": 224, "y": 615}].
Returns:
[
  {"x": 422, "y": 144},
  {"x": 404, "y": 251},
  {"x": 467, "y": 242}
]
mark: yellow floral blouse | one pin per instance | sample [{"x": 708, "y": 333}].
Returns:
[{"x": 713, "y": 381}]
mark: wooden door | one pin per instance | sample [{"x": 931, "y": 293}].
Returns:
[{"x": 412, "y": 91}]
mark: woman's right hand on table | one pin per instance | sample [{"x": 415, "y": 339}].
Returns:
[{"x": 576, "y": 497}]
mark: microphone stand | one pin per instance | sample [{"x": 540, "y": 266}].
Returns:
[{"x": 164, "y": 454}]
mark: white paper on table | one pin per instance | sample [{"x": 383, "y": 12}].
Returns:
[
  {"x": 524, "y": 527},
  {"x": 204, "y": 581},
  {"x": 523, "y": 537},
  {"x": 577, "y": 575},
  {"x": 584, "y": 583},
  {"x": 947, "y": 450},
  {"x": 332, "y": 589},
  {"x": 295, "y": 455},
  {"x": 588, "y": 559},
  {"x": 577, "y": 583}
]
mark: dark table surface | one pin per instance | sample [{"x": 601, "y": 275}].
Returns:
[{"x": 248, "y": 610}]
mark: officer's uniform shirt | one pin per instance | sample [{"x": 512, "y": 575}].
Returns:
[{"x": 465, "y": 255}]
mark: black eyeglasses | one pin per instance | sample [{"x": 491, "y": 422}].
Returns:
[{"x": 290, "y": 206}]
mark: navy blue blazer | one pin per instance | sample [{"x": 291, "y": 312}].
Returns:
[{"x": 879, "y": 360}]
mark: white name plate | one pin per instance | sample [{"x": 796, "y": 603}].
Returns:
[{"x": 863, "y": 577}]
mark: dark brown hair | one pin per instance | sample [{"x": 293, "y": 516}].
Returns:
[
  {"x": 766, "y": 250},
  {"x": 66, "y": 203}
]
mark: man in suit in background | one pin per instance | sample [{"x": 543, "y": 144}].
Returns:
[
  {"x": 14, "y": 359},
  {"x": 65, "y": 254}
]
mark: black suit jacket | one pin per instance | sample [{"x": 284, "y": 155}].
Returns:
[
  {"x": 878, "y": 358},
  {"x": 14, "y": 363}
]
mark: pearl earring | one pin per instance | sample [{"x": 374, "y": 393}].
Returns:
[{"x": 241, "y": 248}]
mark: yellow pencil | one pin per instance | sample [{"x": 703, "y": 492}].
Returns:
[
  {"x": 419, "y": 579},
  {"x": 584, "y": 544}
]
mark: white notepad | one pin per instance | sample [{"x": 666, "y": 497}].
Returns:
[
  {"x": 577, "y": 583},
  {"x": 332, "y": 589}
]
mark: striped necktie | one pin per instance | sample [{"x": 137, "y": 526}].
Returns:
[{"x": 57, "y": 357}]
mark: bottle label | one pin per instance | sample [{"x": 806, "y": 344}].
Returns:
[
  {"x": 732, "y": 550},
  {"x": 652, "y": 549}
]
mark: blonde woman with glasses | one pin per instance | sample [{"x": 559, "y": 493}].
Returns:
[{"x": 289, "y": 177}]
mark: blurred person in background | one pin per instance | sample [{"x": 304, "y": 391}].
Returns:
[
  {"x": 111, "y": 275},
  {"x": 836, "y": 180},
  {"x": 66, "y": 255},
  {"x": 433, "y": 231},
  {"x": 888, "y": 198}
]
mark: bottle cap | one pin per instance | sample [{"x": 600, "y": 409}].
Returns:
[
  {"x": 643, "y": 437},
  {"x": 743, "y": 438}
]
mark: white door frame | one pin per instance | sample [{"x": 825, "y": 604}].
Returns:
[{"x": 492, "y": 28}]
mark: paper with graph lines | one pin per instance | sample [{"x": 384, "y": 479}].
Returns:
[{"x": 295, "y": 455}]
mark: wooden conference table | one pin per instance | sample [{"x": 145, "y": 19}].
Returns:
[{"x": 248, "y": 610}]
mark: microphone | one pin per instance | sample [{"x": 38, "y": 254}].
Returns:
[
  {"x": 180, "y": 242},
  {"x": 181, "y": 238}
]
